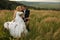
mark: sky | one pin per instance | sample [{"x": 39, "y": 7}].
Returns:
[{"x": 38, "y": 0}]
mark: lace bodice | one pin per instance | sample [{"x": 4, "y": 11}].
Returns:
[{"x": 18, "y": 13}]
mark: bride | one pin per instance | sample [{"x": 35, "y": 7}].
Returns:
[{"x": 17, "y": 26}]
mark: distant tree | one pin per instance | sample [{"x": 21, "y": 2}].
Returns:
[{"x": 8, "y": 4}]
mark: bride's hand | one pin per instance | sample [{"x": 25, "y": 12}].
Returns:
[
  {"x": 27, "y": 18},
  {"x": 21, "y": 15}
]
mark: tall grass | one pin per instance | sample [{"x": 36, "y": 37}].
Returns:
[{"x": 43, "y": 24}]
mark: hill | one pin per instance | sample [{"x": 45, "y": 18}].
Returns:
[{"x": 55, "y": 5}]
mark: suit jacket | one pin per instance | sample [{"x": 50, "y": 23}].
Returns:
[{"x": 27, "y": 13}]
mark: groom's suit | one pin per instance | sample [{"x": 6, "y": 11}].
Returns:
[{"x": 26, "y": 14}]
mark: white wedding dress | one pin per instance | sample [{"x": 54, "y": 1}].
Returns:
[{"x": 16, "y": 26}]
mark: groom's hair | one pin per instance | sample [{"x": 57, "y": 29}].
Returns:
[{"x": 24, "y": 6}]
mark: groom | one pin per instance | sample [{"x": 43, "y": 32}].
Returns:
[{"x": 26, "y": 16}]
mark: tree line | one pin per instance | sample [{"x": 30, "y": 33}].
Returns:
[{"x": 10, "y": 5}]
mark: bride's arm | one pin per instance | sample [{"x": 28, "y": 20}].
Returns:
[
  {"x": 14, "y": 15},
  {"x": 22, "y": 15}
]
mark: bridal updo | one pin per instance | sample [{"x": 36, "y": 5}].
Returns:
[{"x": 19, "y": 8}]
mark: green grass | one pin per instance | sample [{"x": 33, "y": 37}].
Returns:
[{"x": 43, "y": 24}]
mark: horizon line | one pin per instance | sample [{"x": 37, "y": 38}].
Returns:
[{"x": 38, "y": 1}]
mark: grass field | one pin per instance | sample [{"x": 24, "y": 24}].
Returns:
[{"x": 43, "y": 24}]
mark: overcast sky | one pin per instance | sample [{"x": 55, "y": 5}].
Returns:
[{"x": 38, "y": 0}]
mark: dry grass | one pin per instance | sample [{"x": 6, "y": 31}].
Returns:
[{"x": 43, "y": 24}]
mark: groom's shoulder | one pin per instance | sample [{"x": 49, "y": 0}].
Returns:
[{"x": 27, "y": 10}]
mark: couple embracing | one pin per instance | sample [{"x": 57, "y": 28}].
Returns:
[{"x": 17, "y": 26}]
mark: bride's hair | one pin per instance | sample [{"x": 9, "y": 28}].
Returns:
[{"x": 18, "y": 8}]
